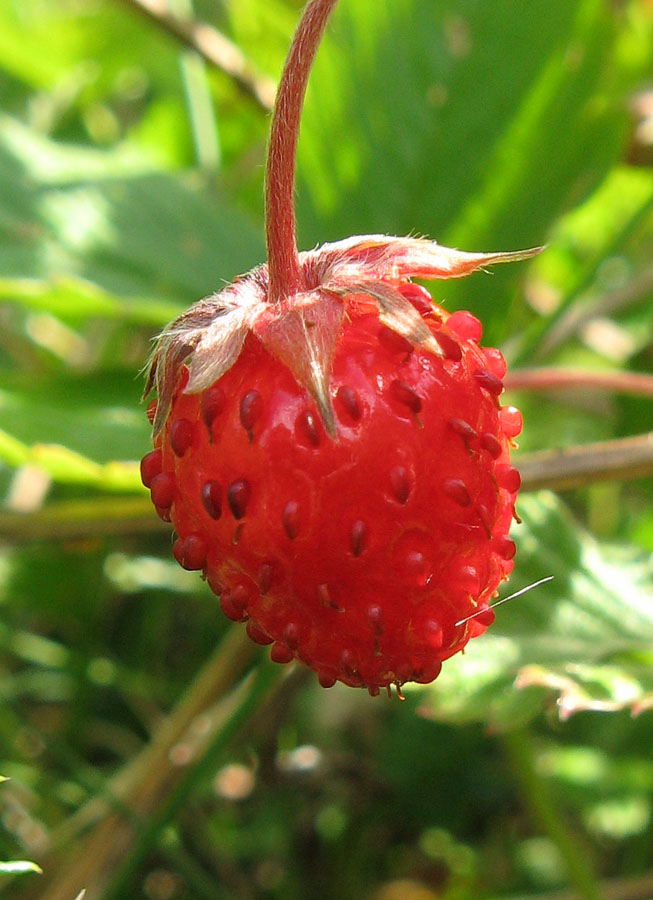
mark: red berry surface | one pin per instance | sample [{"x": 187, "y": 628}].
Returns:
[{"x": 356, "y": 552}]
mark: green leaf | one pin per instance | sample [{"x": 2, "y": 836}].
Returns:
[
  {"x": 586, "y": 636},
  {"x": 89, "y": 415},
  {"x": 68, "y": 467},
  {"x": 464, "y": 121},
  {"x": 19, "y": 867},
  {"x": 111, "y": 219}
]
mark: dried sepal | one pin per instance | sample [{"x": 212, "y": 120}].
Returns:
[
  {"x": 208, "y": 337},
  {"x": 302, "y": 329},
  {"x": 303, "y": 333},
  {"x": 380, "y": 256},
  {"x": 398, "y": 313}
]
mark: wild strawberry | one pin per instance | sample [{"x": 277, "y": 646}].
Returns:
[{"x": 330, "y": 444}]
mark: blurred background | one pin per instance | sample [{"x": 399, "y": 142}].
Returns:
[{"x": 151, "y": 751}]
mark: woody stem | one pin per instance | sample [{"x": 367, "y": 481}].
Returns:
[{"x": 283, "y": 257}]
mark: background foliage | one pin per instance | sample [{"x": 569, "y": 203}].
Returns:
[{"x": 143, "y": 762}]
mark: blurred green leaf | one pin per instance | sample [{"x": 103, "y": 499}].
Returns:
[
  {"x": 587, "y": 635},
  {"x": 67, "y": 466},
  {"x": 465, "y": 121},
  {"x": 19, "y": 867},
  {"x": 109, "y": 218}
]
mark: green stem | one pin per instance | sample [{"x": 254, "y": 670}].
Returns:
[
  {"x": 258, "y": 688},
  {"x": 548, "y": 815},
  {"x": 143, "y": 788}
]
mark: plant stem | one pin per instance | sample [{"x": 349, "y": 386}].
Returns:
[
  {"x": 573, "y": 467},
  {"x": 213, "y": 47},
  {"x": 547, "y": 815},
  {"x": 208, "y": 714},
  {"x": 554, "y": 378},
  {"x": 283, "y": 257}
]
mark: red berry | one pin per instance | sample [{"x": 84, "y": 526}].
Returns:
[
  {"x": 465, "y": 326},
  {"x": 151, "y": 466},
  {"x": 351, "y": 530}
]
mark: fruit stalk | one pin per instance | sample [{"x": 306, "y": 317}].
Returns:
[{"x": 283, "y": 257}]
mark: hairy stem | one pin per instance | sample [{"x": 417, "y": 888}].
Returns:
[{"x": 283, "y": 257}]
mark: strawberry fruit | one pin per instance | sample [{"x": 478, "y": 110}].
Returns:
[{"x": 330, "y": 444}]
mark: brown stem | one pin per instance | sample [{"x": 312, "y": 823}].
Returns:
[
  {"x": 545, "y": 379},
  {"x": 138, "y": 790},
  {"x": 283, "y": 257},
  {"x": 213, "y": 47},
  {"x": 620, "y": 459},
  {"x": 572, "y": 467}
]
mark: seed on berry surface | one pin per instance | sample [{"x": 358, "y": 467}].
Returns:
[
  {"x": 426, "y": 672},
  {"x": 489, "y": 382},
  {"x": 511, "y": 421},
  {"x": 509, "y": 478},
  {"x": 151, "y": 466},
  {"x": 212, "y": 499},
  {"x": 181, "y": 436},
  {"x": 230, "y": 610},
  {"x": 495, "y": 361},
  {"x": 163, "y": 512},
  {"x": 415, "y": 563},
  {"x": 238, "y": 494},
  {"x": 213, "y": 402},
  {"x": 404, "y": 672},
  {"x": 215, "y": 583},
  {"x": 358, "y": 537},
  {"x": 375, "y": 618},
  {"x": 239, "y": 596},
  {"x": 281, "y": 654},
  {"x": 465, "y": 326},
  {"x": 449, "y": 345},
  {"x": 163, "y": 490},
  {"x": 326, "y": 679},
  {"x": 464, "y": 429},
  {"x": 290, "y": 519},
  {"x": 418, "y": 296},
  {"x": 190, "y": 552},
  {"x": 251, "y": 407},
  {"x": 457, "y": 491},
  {"x": 265, "y": 577},
  {"x": 504, "y": 547},
  {"x": 257, "y": 634},
  {"x": 405, "y": 395},
  {"x": 307, "y": 427},
  {"x": 486, "y": 519},
  {"x": 291, "y": 635},
  {"x": 432, "y": 634},
  {"x": 484, "y": 615},
  {"x": 400, "y": 483},
  {"x": 467, "y": 579},
  {"x": 325, "y": 598},
  {"x": 348, "y": 399},
  {"x": 348, "y": 663},
  {"x": 393, "y": 342},
  {"x": 490, "y": 443}
]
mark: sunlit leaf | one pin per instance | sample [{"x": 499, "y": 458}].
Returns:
[{"x": 585, "y": 637}]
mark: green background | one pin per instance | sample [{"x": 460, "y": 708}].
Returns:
[{"x": 130, "y": 186}]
